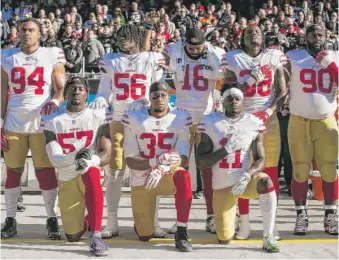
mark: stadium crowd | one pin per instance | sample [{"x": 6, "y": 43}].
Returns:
[{"x": 97, "y": 33}]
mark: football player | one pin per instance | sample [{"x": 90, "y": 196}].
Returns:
[
  {"x": 196, "y": 68},
  {"x": 312, "y": 130},
  {"x": 156, "y": 147},
  {"x": 29, "y": 73},
  {"x": 70, "y": 143},
  {"x": 262, "y": 74},
  {"x": 227, "y": 140},
  {"x": 125, "y": 77}
]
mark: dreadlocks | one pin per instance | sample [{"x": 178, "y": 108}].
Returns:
[{"x": 131, "y": 32}]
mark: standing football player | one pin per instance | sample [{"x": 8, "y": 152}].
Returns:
[
  {"x": 156, "y": 147},
  {"x": 125, "y": 77},
  {"x": 261, "y": 72},
  {"x": 29, "y": 73},
  {"x": 70, "y": 143},
  {"x": 196, "y": 68},
  {"x": 227, "y": 140},
  {"x": 312, "y": 130}
]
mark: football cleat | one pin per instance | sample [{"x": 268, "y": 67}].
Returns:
[
  {"x": 53, "y": 230},
  {"x": 276, "y": 234},
  {"x": 159, "y": 232},
  {"x": 270, "y": 245},
  {"x": 301, "y": 225},
  {"x": 210, "y": 225},
  {"x": 98, "y": 246},
  {"x": 111, "y": 229},
  {"x": 181, "y": 240},
  {"x": 244, "y": 228},
  {"x": 331, "y": 224},
  {"x": 9, "y": 229}
]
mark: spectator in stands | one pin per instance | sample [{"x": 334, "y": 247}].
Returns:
[
  {"x": 51, "y": 40},
  {"x": 43, "y": 34},
  {"x": 176, "y": 36},
  {"x": 4, "y": 30},
  {"x": 136, "y": 16},
  {"x": 35, "y": 11},
  {"x": 58, "y": 18},
  {"x": 267, "y": 26},
  {"x": 275, "y": 39},
  {"x": 14, "y": 21},
  {"x": 105, "y": 15},
  {"x": 7, "y": 12},
  {"x": 55, "y": 25},
  {"x": 281, "y": 19},
  {"x": 292, "y": 36},
  {"x": 73, "y": 55},
  {"x": 182, "y": 21},
  {"x": 66, "y": 38},
  {"x": 93, "y": 51},
  {"x": 77, "y": 32},
  {"x": 42, "y": 16},
  {"x": 169, "y": 26},
  {"x": 321, "y": 12},
  {"x": 77, "y": 17},
  {"x": 117, "y": 15},
  {"x": 307, "y": 11},
  {"x": 21, "y": 10},
  {"x": 91, "y": 20},
  {"x": 106, "y": 39},
  {"x": 301, "y": 40}
]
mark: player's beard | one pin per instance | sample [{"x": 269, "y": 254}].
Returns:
[
  {"x": 315, "y": 48},
  {"x": 158, "y": 110}
]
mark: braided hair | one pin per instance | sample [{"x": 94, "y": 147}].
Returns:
[{"x": 131, "y": 32}]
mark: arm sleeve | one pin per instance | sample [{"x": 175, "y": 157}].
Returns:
[
  {"x": 104, "y": 88},
  {"x": 57, "y": 157}
]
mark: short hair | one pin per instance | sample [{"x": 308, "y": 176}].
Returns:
[
  {"x": 229, "y": 85},
  {"x": 30, "y": 19}
]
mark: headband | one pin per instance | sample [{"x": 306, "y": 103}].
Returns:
[{"x": 233, "y": 92}]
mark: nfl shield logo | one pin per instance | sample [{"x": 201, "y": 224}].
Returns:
[
  {"x": 73, "y": 122},
  {"x": 157, "y": 122}
]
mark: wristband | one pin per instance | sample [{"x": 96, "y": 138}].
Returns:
[
  {"x": 148, "y": 26},
  {"x": 2, "y": 122},
  {"x": 153, "y": 162},
  {"x": 95, "y": 160},
  {"x": 55, "y": 101},
  {"x": 269, "y": 111}
]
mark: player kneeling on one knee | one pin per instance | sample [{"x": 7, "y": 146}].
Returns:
[
  {"x": 226, "y": 143},
  {"x": 156, "y": 146},
  {"x": 70, "y": 139}
]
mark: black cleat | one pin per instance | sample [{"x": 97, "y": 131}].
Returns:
[
  {"x": 181, "y": 240},
  {"x": 331, "y": 223},
  {"x": 98, "y": 246},
  {"x": 9, "y": 230},
  {"x": 301, "y": 225},
  {"x": 20, "y": 207},
  {"x": 53, "y": 229}
]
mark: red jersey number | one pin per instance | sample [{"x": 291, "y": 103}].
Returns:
[
  {"x": 314, "y": 80},
  {"x": 66, "y": 140},
  {"x": 263, "y": 88},
  {"x": 199, "y": 82},
  {"x": 132, "y": 89},
  {"x": 158, "y": 140},
  {"x": 36, "y": 78},
  {"x": 224, "y": 164}
]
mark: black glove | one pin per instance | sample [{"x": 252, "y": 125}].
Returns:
[
  {"x": 84, "y": 153},
  {"x": 81, "y": 164}
]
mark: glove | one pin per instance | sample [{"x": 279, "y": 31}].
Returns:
[
  {"x": 234, "y": 143},
  {"x": 98, "y": 103},
  {"x": 50, "y": 107},
  {"x": 84, "y": 164},
  {"x": 84, "y": 153},
  {"x": 263, "y": 115},
  {"x": 153, "y": 176},
  {"x": 257, "y": 74},
  {"x": 241, "y": 183},
  {"x": 168, "y": 158},
  {"x": 138, "y": 104},
  {"x": 4, "y": 141}
]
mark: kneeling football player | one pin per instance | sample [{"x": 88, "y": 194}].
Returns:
[
  {"x": 156, "y": 147},
  {"x": 70, "y": 143},
  {"x": 226, "y": 143}
]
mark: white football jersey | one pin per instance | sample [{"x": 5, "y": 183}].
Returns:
[
  {"x": 218, "y": 127},
  {"x": 313, "y": 92},
  {"x": 260, "y": 95},
  {"x": 146, "y": 136},
  {"x": 69, "y": 127},
  {"x": 30, "y": 85},
  {"x": 128, "y": 78},
  {"x": 195, "y": 80}
]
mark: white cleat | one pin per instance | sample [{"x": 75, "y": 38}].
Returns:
[
  {"x": 111, "y": 229},
  {"x": 173, "y": 229},
  {"x": 244, "y": 228},
  {"x": 210, "y": 225},
  {"x": 159, "y": 232}
]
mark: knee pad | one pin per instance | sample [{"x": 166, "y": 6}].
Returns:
[
  {"x": 47, "y": 178},
  {"x": 328, "y": 171},
  {"x": 301, "y": 171},
  {"x": 13, "y": 179}
]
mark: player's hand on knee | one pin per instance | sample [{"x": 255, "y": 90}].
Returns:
[
  {"x": 138, "y": 104},
  {"x": 83, "y": 161},
  {"x": 98, "y": 103},
  {"x": 84, "y": 153},
  {"x": 50, "y": 107},
  {"x": 241, "y": 183},
  {"x": 168, "y": 158},
  {"x": 4, "y": 141},
  {"x": 153, "y": 177}
]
